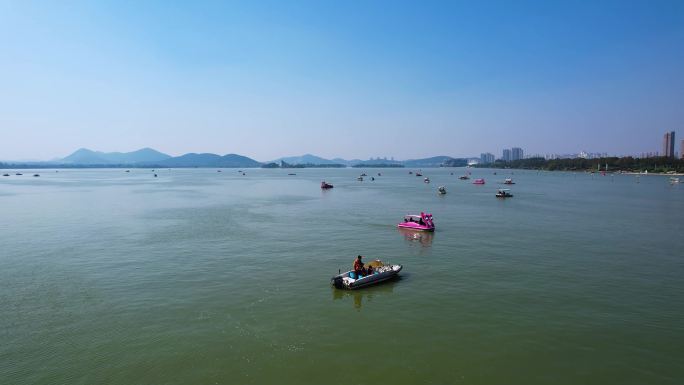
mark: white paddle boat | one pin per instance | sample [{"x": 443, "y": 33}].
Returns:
[{"x": 381, "y": 272}]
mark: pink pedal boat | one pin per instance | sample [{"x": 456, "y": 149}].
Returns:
[
  {"x": 422, "y": 222},
  {"x": 479, "y": 181}
]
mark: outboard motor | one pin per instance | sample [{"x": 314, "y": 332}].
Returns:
[{"x": 337, "y": 282}]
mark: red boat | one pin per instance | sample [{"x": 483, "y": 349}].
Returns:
[{"x": 326, "y": 186}]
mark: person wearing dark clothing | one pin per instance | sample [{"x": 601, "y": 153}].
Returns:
[{"x": 358, "y": 267}]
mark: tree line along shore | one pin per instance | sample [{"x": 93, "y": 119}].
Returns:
[{"x": 658, "y": 165}]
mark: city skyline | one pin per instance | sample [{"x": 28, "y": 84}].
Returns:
[
  {"x": 351, "y": 80},
  {"x": 508, "y": 154}
]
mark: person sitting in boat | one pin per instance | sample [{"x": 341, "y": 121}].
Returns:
[
  {"x": 369, "y": 271},
  {"x": 421, "y": 222},
  {"x": 358, "y": 267}
]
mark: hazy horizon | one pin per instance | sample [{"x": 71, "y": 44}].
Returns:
[
  {"x": 346, "y": 158},
  {"x": 350, "y": 80}
]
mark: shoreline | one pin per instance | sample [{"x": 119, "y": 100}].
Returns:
[{"x": 652, "y": 173}]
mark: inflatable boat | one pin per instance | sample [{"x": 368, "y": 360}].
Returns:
[{"x": 381, "y": 273}]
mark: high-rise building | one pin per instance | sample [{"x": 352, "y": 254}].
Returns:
[
  {"x": 486, "y": 158},
  {"x": 516, "y": 153},
  {"x": 506, "y": 155},
  {"x": 668, "y": 144},
  {"x": 681, "y": 149}
]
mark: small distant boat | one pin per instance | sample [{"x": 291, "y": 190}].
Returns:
[
  {"x": 441, "y": 190},
  {"x": 674, "y": 180},
  {"x": 360, "y": 178},
  {"x": 426, "y": 180},
  {"x": 419, "y": 174},
  {"x": 372, "y": 178},
  {"x": 18, "y": 173},
  {"x": 128, "y": 170},
  {"x": 243, "y": 174},
  {"x": 508, "y": 181},
  {"x": 479, "y": 181},
  {"x": 291, "y": 173},
  {"x": 410, "y": 172},
  {"x": 239, "y": 171},
  {"x": 326, "y": 186},
  {"x": 155, "y": 175},
  {"x": 422, "y": 222},
  {"x": 219, "y": 171},
  {"x": 36, "y": 175},
  {"x": 381, "y": 272},
  {"x": 464, "y": 177},
  {"x": 379, "y": 174},
  {"x": 364, "y": 174},
  {"x": 5, "y": 174},
  {"x": 504, "y": 193}
]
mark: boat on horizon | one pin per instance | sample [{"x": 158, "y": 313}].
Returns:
[
  {"x": 326, "y": 186},
  {"x": 441, "y": 190},
  {"x": 464, "y": 177},
  {"x": 508, "y": 181},
  {"x": 479, "y": 181}
]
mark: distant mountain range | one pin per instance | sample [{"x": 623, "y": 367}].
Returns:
[
  {"x": 435, "y": 161},
  {"x": 308, "y": 159},
  {"x": 89, "y": 157},
  {"x": 210, "y": 160},
  {"x": 148, "y": 157}
]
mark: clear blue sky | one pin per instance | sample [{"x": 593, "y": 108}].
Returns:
[{"x": 349, "y": 78}]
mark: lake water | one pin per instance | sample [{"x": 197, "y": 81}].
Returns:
[{"x": 206, "y": 277}]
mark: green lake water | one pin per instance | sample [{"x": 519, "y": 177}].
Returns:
[{"x": 201, "y": 277}]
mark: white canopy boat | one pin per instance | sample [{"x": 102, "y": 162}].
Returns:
[
  {"x": 504, "y": 193},
  {"x": 381, "y": 273}
]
